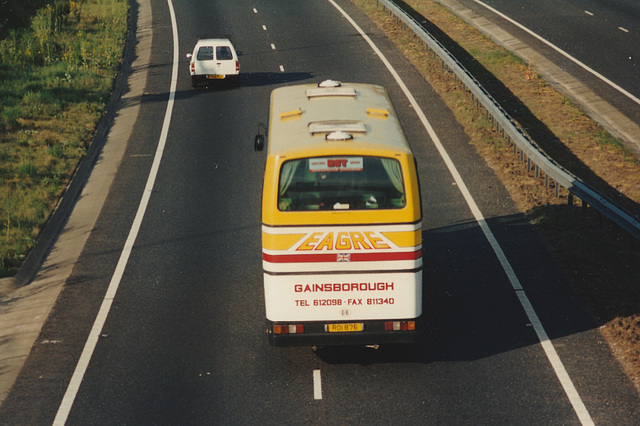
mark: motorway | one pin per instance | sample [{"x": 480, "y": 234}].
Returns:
[
  {"x": 184, "y": 342},
  {"x": 594, "y": 47},
  {"x": 602, "y": 35}
]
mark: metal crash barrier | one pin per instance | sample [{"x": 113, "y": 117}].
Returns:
[{"x": 530, "y": 152}]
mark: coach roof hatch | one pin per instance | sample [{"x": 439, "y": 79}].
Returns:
[
  {"x": 330, "y": 88},
  {"x": 330, "y": 126}
]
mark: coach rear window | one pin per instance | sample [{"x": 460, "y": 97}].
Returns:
[{"x": 341, "y": 183}]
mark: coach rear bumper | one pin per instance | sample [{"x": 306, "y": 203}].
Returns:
[{"x": 315, "y": 334}]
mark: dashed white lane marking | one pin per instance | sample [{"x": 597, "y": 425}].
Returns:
[
  {"x": 562, "y": 52},
  {"x": 281, "y": 68},
  {"x": 255, "y": 10},
  {"x": 623, "y": 29},
  {"x": 83, "y": 363},
  {"x": 264, "y": 27},
  {"x": 317, "y": 385},
  {"x": 273, "y": 46},
  {"x": 588, "y": 13},
  {"x": 564, "y": 379}
]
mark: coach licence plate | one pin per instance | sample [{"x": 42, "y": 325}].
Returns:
[{"x": 344, "y": 327}]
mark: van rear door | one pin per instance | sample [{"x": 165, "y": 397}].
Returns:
[{"x": 217, "y": 59}]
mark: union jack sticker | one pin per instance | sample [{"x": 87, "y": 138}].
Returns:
[{"x": 344, "y": 257}]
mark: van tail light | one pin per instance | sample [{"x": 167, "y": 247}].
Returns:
[
  {"x": 237, "y": 66},
  {"x": 193, "y": 67}
]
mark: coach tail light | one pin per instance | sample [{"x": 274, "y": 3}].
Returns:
[
  {"x": 399, "y": 325},
  {"x": 288, "y": 328}
]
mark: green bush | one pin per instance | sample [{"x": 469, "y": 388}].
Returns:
[
  {"x": 10, "y": 116},
  {"x": 17, "y": 14},
  {"x": 27, "y": 168}
]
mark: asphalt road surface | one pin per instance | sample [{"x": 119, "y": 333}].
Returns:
[
  {"x": 184, "y": 340},
  {"x": 596, "y": 43},
  {"x": 604, "y": 35}
]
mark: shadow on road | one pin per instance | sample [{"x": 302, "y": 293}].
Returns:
[{"x": 470, "y": 308}]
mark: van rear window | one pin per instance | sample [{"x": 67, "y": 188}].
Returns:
[
  {"x": 341, "y": 183},
  {"x": 205, "y": 53},
  {"x": 223, "y": 53}
]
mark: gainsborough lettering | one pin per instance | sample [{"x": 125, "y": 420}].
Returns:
[{"x": 335, "y": 287}]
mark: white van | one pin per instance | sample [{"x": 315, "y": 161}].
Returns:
[{"x": 213, "y": 59}]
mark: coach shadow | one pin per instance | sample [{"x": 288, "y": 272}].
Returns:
[{"x": 470, "y": 309}]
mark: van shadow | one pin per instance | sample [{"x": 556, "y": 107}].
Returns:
[
  {"x": 253, "y": 79},
  {"x": 256, "y": 79},
  {"x": 470, "y": 308}
]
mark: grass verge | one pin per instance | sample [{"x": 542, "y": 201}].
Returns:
[
  {"x": 601, "y": 262},
  {"x": 55, "y": 79}
]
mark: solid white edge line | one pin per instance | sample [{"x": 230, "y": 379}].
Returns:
[
  {"x": 92, "y": 340},
  {"x": 561, "y": 373},
  {"x": 562, "y": 52},
  {"x": 317, "y": 385}
]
